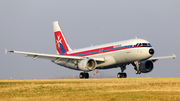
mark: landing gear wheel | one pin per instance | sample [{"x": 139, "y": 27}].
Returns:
[
  {"x": 84, "y": 75},
  {"x": 138, "y": 72},
  {"x": 124, "y": 75},
  {"x": 81, "y": 75},
  {"x": 121, "y": 75}
]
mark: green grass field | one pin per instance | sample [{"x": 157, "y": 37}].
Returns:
[{"x": 128, "y": 89}]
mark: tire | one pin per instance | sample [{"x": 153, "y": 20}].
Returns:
[
  {"x": 81, "y": 75},
  {"x": 119, "y": 75},
  {"x": 86, "y": 75},
  {"x": 138, "y": 72},
  {"x": 124, "y": 75}
]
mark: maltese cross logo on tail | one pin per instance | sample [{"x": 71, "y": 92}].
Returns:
[{"x": 59, "y": 43}]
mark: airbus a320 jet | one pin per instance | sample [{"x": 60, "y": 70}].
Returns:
[{"x": 137, "y": 52}]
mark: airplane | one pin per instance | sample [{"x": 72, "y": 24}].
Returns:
[{"x": 137, "y": 52}]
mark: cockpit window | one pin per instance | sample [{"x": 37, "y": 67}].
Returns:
[
  {"x": 144, "y": 44},
  {"x": 149, "y": 44}
]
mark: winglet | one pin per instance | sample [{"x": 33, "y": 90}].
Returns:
[
  {"x": 8, "y": 51},
  {"x": 5, "y": 50},
  {"x": 174, "y": 56}
]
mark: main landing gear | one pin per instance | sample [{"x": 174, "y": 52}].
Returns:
[
  {"x": 84, "y": 75},
  {"x": 121, "y": 74}
]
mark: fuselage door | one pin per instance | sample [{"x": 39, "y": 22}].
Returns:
[{"x": 128, "y": 49}]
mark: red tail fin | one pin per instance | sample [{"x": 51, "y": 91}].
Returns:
[{"x": 61, "y": 44}]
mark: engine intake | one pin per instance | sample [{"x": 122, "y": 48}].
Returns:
[
  {"x": 87, "y": 64},
  {"x": 145, "y": 66}
]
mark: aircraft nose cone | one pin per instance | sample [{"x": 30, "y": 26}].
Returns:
[{"x": 151, "y": 51}]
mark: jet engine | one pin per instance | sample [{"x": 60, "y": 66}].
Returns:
[
  {"x": 145, "y": 66},
  {"x": 87, "y": 64}
]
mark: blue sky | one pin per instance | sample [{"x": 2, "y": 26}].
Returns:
[{"x": 27, "y": 26}]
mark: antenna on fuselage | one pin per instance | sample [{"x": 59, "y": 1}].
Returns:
[{"x": 135, "y": 37}]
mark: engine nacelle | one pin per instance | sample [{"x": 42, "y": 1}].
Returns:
[
  {"x": 146, "y": 66},
  {"x": 87, "y": 64}
]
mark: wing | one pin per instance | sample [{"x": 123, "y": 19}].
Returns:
[
  {"x": 50, "y": 56},
  {"x": 154, "y": 59}
]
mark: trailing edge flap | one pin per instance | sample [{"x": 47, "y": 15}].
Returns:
[
  {"x": 50, "y": 56},
  {"x": 165, "y": 57}
]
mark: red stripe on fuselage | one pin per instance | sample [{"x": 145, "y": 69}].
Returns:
[
  {"x": 88, "y": 51},
  {"x": 99, "y": 51}
]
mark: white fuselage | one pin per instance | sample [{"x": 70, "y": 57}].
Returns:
[{"x": 115, "y": 54}]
